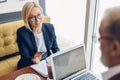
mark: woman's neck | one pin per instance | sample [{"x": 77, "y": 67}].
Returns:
[{"x": 37, "y": 30}]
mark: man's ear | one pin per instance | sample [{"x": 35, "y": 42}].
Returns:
[{"x": 116, "y": 48}]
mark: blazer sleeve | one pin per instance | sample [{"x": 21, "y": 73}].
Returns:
[
  {"x": 22, "y": 47},
  {"x": 55, "y": 47}
]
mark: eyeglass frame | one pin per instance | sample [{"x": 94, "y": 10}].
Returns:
[
  {"x": 33, "y": 18},
  {"x": 106, "y": 38}
]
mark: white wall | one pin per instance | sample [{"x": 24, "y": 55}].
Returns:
[{"x": 12, "y": 6}]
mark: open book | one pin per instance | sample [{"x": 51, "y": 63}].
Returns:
[{"x": 41, "y": 68}]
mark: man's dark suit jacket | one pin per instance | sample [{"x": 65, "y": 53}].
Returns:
[
  {"x": 115, "y": 77},
  {"x": 27, "y": 44}
]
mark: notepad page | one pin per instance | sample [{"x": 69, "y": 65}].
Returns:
[{"x": 41, "y": 68}]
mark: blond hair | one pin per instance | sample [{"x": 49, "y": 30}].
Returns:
[{"x": 27, "y": 9}]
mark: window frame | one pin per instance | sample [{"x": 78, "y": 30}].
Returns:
[{"x": 90, "y": 27}]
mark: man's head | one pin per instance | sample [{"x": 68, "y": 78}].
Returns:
[{"x": 110, "y": 37}]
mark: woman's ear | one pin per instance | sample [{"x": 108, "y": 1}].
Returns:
[{"x": 116, "y": 48}]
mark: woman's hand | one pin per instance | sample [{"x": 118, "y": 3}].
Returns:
[
  {"x": 36, "y": 60},
  {"x": 38, "y": 54},
  {"x": 37, "y": 57}
]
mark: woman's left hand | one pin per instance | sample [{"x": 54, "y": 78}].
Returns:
[
  {"x": 37, "y": 57},
  {"x": 36, "y": 60},
  {"x": 38, "y": 54}
]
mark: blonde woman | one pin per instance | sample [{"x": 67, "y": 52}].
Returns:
[{"x": 35, "y": 39}]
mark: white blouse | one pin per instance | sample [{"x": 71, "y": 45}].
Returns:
[{"x": 40, "y": 42}]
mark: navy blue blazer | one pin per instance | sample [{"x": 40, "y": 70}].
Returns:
[{"x": 27, "y": 44}]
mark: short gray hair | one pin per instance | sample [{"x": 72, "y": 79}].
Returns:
[{"x": 111, "y": 22}]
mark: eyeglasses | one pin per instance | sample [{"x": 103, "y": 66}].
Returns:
[
  {"x": 106, "y": 38},
  {"x": 33, "y": 18}
]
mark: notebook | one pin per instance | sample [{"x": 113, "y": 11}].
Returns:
[
  {"x": 70, "y": 64},
  {"x": 41, "y": 68}
]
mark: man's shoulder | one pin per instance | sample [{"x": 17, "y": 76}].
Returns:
[
  {"x": 115, "y": 77},
  {"x": 111, "y": 73}
]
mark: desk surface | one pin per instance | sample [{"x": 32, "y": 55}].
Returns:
[{"x": 13, "y": 75}]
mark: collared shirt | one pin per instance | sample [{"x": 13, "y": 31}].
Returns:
[{"x": 111, "y": 72}]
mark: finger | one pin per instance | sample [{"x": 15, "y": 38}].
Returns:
[
  {"x": 37, "y": 60},
  {"x": 37, "y": 54}
]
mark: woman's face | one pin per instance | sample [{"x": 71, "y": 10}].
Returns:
[{"x": 35, "y": 17}]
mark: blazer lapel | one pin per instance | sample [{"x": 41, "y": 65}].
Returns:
[
  {"x": 45, "y": 36},
  {"x": 33, "y": 41}
]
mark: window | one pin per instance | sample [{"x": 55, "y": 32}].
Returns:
[{"x": 68, "y": 18}]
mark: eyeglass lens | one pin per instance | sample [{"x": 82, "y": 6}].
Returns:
[{"x": 33, "y": 18}]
